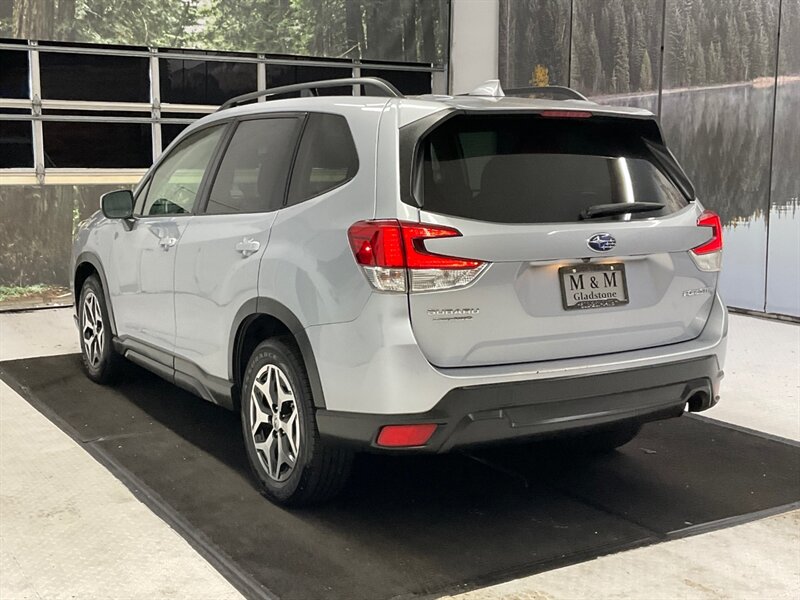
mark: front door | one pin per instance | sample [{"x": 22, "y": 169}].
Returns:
[{"x": 143, "y": 257}]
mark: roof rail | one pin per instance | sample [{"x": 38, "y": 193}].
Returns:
[
  {"x": 383, "y": 86},
  {"x": 551, "y": 92}
]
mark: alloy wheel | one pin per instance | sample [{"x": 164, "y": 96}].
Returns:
[
  {"x": 274, "y": 422},
  {"x": 93, "y": 329}
]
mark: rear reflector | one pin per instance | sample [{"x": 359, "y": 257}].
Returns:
[
  {"x": 708, "y": 256},
  {"x": 391, "y": 252},
  {"x": 566, "y": 114},
  {"x": 402, "y": 436}
]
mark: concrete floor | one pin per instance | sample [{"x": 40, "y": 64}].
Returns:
[{"x": 69, "y": 529}]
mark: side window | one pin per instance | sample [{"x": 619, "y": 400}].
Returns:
[
  {"x": 174, "y": 186},
  {"x": 326, "y": 158},
  {"x": 252, "y": 175}
]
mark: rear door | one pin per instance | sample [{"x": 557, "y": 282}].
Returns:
[
  {"x": 558, "y": 285},
  {"x": 218, "y": 256}
]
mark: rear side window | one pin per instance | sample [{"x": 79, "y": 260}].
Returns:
[
  {"x": 532, "y": 169},
  {"x": 326, "y": 158},
  {"x": 252, "y": 175}
]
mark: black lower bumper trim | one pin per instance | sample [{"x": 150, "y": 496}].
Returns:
[{"x": 507, "y": 411}]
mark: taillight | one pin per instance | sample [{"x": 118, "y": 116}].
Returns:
[
  {"x": 708, "y": 256},
  {"x": 393, "y": 256}
]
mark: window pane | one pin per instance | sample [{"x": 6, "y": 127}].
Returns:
[
  {"x": 252, "y": 176},
  {"x": 522, "y": 169},
  {"x": 204, "y": 82},
  {"x": 97, "y": 145},
  {"x": 16, "y": 144},
  {"x": 410, "y": 83},
  {"x": 87, "y": 77},
  {"x": 14, "y": 74},
  {"x": 169, "y": 131},
  {"x": 177, "y": 180},
  {"x": 326, "y": 158},
  {"x": 278, "y": 75}
]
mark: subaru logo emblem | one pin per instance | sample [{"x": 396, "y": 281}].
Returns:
[{"x": 601, "y": 242}]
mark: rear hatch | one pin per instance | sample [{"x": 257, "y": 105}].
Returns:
[{"x": 535, "y": 197}]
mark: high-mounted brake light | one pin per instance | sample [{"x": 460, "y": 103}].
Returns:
[
  {"x": 399, "y": 436},
  {"x": 393, "y": 256},
  {"x": 566, "y": 114},
  {"x": 708, "y": 256}
]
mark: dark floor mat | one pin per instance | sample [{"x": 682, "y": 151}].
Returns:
[{"x": 407, "y": 526}]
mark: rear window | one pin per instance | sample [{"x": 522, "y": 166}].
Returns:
[{"x": 532, "y": 169}]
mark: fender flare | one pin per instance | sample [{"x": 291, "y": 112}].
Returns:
[
  {"x": 92, "y": 259},
  {"x": 261, "y": 305}
]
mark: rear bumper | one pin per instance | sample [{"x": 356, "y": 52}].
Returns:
[
  {"x": 479, "y": 414},
  {"x": 374, "y": 364}
]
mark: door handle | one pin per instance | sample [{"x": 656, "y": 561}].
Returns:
[
  {"x": 167, "y": 242},
  {"x": 247, "y": 247}
]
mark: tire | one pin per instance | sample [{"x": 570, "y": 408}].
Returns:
[
  {"x": 100, "y": 361},
  {"x": 290, "y": 461},
  {"x": 606, "y": 439}
]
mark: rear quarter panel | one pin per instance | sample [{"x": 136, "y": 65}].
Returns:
[{"x": 308, "y": 266}]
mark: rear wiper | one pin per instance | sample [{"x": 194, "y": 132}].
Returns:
[{"x": 623, "y": 208}]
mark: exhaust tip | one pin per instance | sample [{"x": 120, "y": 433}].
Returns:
[{"x": 699, "y": 400}]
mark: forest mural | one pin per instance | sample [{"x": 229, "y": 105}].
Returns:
[
  {"x": 397, "y": 30},
  {"x": 728, "y": 99}
]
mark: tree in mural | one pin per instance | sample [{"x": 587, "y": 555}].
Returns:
[{"x": 646, "y": 72}]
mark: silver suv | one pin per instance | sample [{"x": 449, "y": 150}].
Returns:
[{"x": 409, "y": 274}]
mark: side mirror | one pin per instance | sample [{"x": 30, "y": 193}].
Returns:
[{"x": 117, "y": 204}]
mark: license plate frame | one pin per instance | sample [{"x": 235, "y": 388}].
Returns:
[{"x": 582, "y": 284}]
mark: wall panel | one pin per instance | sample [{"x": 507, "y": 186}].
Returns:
[
  {"x": 783, "y": 255},
  {"x": 716, "y": 112},
  {"x": 36, "y": 228}
]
